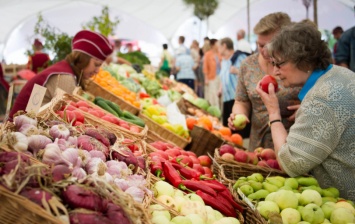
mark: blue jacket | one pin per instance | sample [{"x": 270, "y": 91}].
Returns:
[{"x": 346, "y": 49}]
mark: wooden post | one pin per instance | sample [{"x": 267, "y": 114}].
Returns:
[
  {"x": 315, "y": 12},
  {"x": 248, "y": 18}
]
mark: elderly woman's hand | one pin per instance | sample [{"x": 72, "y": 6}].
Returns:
[
  {"x": 230, "y": 121},
  {"x": 295, "y": 108},
  {"x": 270, "y": 101}
]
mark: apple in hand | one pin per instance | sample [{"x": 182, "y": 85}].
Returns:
[
  {"x": 240, "y": 121},
  {"x": 266, "y": 80},
  {"x": 205, "y": 160}
]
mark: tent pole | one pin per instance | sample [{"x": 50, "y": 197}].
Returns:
[
  {"x": 315, "y": 12},
  {"x": 248, "y": 18}
]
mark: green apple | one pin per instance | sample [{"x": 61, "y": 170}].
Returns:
[
  {"x": 326, "y": 221},
  {"x": 167, "y": 200},
  {"x": 240, "y": 121},
  {"x": 286, "y": 199},
  {"x": 256, "y": 177},
  {"x": 227, "y": 220},
  {"x": 181, "y": 220},
  {"x": 270, "y": 197},
  {"x": 342, "y": 215},
  {"x": 303, "y": 222},
  {"x": 195, "y": 219},
  {"x": 344, "y": 204},
  {"x": 160, "y": 219},
  {"x": 178, "y": 192},
  {"x": 291, "y": 182},
  {"x": 265, "y": 207},
  {"x": 194, "y": 207},
  {"x": 246, "y": 189},
  {"x": 326, "y": 199},
  {"x": 310, "y": 196},
  {"x": 299, "y": 208},
  {"x": 290, "y": 216},
  {"x": 312, "y": 213},
  {"x": 163, "y": 188},
  {"x": 179, "y": 201},
  {"x": 194, "y": 197},
  {"x": 158, "y": 210},
  {"x": 328, "y": 208}
]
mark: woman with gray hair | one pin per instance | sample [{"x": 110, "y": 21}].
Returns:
[{"x": 321, "y": 141}]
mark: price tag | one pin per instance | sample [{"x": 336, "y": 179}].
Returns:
[
  {"x": 36, "y": 98},
  {"x": 59, "y": 93},
  {"x": 245, "y": 199}
]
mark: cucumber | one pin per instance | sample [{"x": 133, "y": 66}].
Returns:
[
  {"x": 103, "y": 105},
  {"x": 115, "y": 107},
  {"x": 98, "y": 98},
  {"x": 137, "y": 121},
  {"x": 128, "y": 115}
]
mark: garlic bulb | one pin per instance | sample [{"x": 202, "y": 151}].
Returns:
[
  {"x": 85, "y": 157},
  {"x": 53, "y": 155},
  {"x": 21, "y": 120},
  {"x": 72, "y": 155},
  {"x": 79, "y": 173},
  {"x": 37, "y": 142},
  {"x": 96, "y": 165},
  {"x": 28, "y": 129},
  {"x": 59, "y": 131},
  {"x": 18, "y": 141},
  {"x": 98, "y": 154}
]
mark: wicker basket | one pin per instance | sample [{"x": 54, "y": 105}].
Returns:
[
  {"x": 16, "y": 209},
  {"x": 230, "y": 171},
  {"x": 203, "y": 142},
  {"x": 164, "y": 133},
  {"x": 250, "y": 215},
  {"x": 97, "y": 90}
]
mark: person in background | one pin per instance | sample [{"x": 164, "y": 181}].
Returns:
[
  {"x": 243, "y": 50},
  {"x": 129, "y": 47},
  {"x": 194, "y": 51},
  {"x": 38, "y": 60},
  {"x": 321, "y": 141},
  {"x": 89, "y": 51},
  {"x": 337, "y": 32},
  {"x": 200, "y": 77},
  {"x": 4, "y": 90},
  {"x": 182, "y": 47},
  {"x": 211, "y": 69},
  {"x": 345, "y": 52},
  {"x": 114, "y": 58},
  {"x": 184, "y": 65},
  {"x": 228, "y": 80},
  {"x": 253, "y": 69},
  {"x": 166, "y": 60}
]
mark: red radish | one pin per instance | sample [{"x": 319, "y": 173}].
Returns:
[
  {"x": 93, "y": 132},
  {"x": 134, "y": 129},
  {"x": 77, "y": 123},
  {"x": 266, "y": 80},
  {"x": 94, "y": 113},
  {"x": 79, "y": 197},
  {"x": 173, "y": 152},
  {"x": 82, "y": 103},
  {"x": 72, "y": 103},
  {"x": 79, "y": 116},
  {"x": 84, "y": 109},
  {"x": 99, "y": 111},
  {"x": 70, "y": 108},
  {"x": 36, "y": 195},
  {"x": 79, "y": 217},
  {"x": 126, "y": 126}
]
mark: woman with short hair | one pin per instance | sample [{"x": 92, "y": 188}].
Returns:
[{"x": 321, "y": 141}]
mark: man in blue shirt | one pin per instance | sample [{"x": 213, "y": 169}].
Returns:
[{"x": 229, "y": 81}]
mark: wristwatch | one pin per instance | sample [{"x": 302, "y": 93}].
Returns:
[{"x": 270, "y": 122}]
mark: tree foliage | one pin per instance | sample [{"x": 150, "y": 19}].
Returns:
[
  {"x": 203, "y": 8},
  {"x": 55, "y": 40},
  {"x": 102, "y": 23}
]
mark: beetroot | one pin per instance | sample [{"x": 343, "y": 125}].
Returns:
[
  {"x": 79, "y": 197},
  {"x": 125, "y": 155},
  {"x": 116, "y": 214},
  {"x": 95, "y": 134},
  {"x": 88, "y": 218},
  {"x": 36, "y": 195},
  {"x": 60, "y": 172},
  {"x": 89, "y": 143}
]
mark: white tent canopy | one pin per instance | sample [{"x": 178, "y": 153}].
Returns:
[{"x": 153, "y": 21}]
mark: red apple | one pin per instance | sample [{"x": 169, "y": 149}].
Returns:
[
  {"x": 253, "y": 158},
  {"x": 173, "y": 152},
  {"x": 228, "y": 156},
  {"x": 226, "y": 149},
  {"x": 191, "y": 153},
  {"x": 208, "y": 172},
  {"x": 263, "y": 163},
  {"x": 194, "y": 160},
  {"x": 184, "y": 160},
  {"x": 205, "y": 160},
  {"x": 273, "y": 163},
  {"x": 266, "y": 80},
  {"x": 199, "y": 168},
  {"x": 241, "y": 156},
  {"x": 267, "y": 154}
]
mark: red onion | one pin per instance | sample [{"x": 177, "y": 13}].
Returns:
[
  {"x": 79, "y": 197},
  {"x": 61, "y": 172},
  {"x": 115, "y": 213},
  {"x": 36, "y": 195},
  {"x": 80, "y": 217}
]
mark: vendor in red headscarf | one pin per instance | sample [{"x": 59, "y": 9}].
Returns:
[
  {"x": 89, "y": 51},
  {"x": 39, "y": 60}
]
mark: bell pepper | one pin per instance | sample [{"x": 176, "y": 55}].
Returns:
[
  {"x": 143, "y": 95},
  {"x": 171, "y": 174},
  {"x": 211, "y": 201}
]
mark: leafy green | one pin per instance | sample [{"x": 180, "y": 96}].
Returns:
[{"x": 135, "y": 57}]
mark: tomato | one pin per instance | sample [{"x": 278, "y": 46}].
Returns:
[{"x": 266, "y": 80}]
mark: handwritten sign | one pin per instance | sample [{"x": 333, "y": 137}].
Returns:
[
  {"x": 36, "y": 98},
  {"x": 245, "y": 199}
]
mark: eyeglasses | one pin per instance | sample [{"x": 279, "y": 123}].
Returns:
[{"x": 278, "y": 65}]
